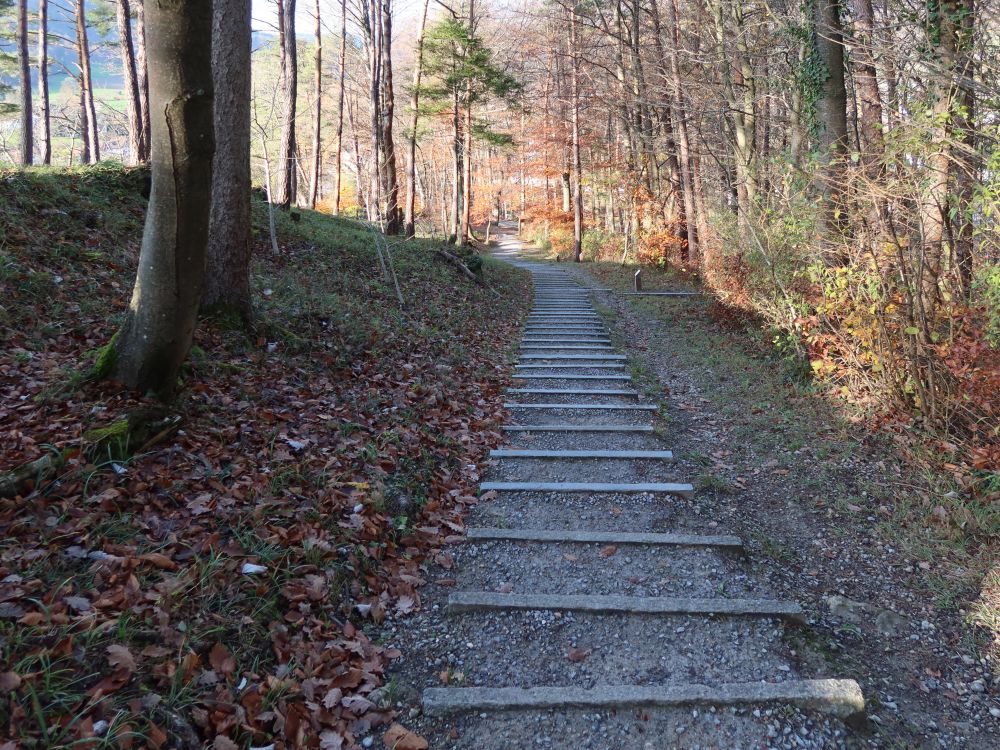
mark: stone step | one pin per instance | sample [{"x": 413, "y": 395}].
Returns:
[
  {"x": 572, "y": 392},
  {"x": 574, "y": 454},
  {"x": 517, "y": 376},
  {"x": 601, "y": 357},
  {"x": 840, "y": 698},
  {"x": 669, "y": 488},
  {"x": 612, "y": 366},
  {"x": 577, "y": 428},
  {"x": 573, "y": 347},
  {"x": 592, "y": 407},
  {"x": 477, "y": 534},
  {"x": 477, "y": 601},
  {"x": 548, "y": 340}
]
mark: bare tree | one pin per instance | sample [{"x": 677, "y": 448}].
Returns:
[
  {"x": 44, "y": 105},
  {"x": 91, "y": 153},
  {"x": 227, "y": 283},
  {"x": 155, "y": 338},
  {"x": 318, "y": 120},
  {"x": 134, "y": 108},
  {"x": 24, "y": 69},
  {"x": 342, "y": 77},
  {"x": 287, "y": 188},
  {"x": 411, "y": 156}
]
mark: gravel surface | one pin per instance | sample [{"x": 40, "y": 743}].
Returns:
[{"x": 517, "y": 648}]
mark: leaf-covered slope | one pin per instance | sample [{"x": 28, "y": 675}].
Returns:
[{"x": 221, "y": 581}]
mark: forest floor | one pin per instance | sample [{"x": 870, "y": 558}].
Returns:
[
  {"x": 223, "y": 584},
  {"x": 824, "y": 505}
]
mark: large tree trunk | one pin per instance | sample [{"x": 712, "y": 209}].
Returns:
[
  {"x": 92, "y": 141},
  {"x": 866, "y": 81},
  {"x": 159, "y": 326},
  {"x": 227, "y": 283},
  {"x": 289, "y": 57},
  {"x": 142, "y": 74},
  {"x": 135, "y": 134},
  {"x": 574, "y": 47},
  {"x": 318, "y": 121},
  {"x": 45, "y": 108},
  {"x": 409, "y": 220},
  {"x": 27, "y": 153},
  {"x": 831, "y": 115},
  {"x": 340, "y": 106}
]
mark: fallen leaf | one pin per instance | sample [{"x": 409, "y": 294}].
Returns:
[
  {"x": 332, "y": 697},
  {"x": 159, "y": 560},
  {"x": 608, "y": 551},
  {"x": 224, "y": 743},
  {"x": 506, "y": 588},
  {"x": 570, "y": 558},
  {"x": 9, "y": 681},
  {"x": 221, "y": 660},
  {"x": 120, "y": 657},
  {"x": 576, "y": 655},
  {"x": 397, "y": 737}
]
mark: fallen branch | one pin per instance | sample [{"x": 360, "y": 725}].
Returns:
[
  {"x": 465, "y": 270},
  {"x": 24, "y": 478}
]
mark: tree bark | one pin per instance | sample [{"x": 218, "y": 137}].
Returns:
[
  {"x": 45, "y": 108},
  {"x": 318, "y": 121},
  {"x": 142, "y": 74},
  {"x": 135, "y": 134},
  {"x": 388, "y": 174},
  {"x": 683, "y": 138},
  {"x": 27, "y": 152},
  {"x": 92, "y": 141},
  {"x": 574, "y": 46},
  {"x": 340, "y": 106},
  {"x": 227, "y": 282},
  {"x": 287, "y": 186},
  {"x": 831, "y": 115},
  {"x": 159, "y": 326},
  {"x": 866, "y": 81},
  {"x": 409, "y": 219}
]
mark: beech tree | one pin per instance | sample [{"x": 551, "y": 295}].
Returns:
[
  {"x": 227, "y": 282},
  {"x": 44, "y": 106},
  {"x": 24, "y": 71},
  {"x": 133, "y": 106},
  {"x": 287, "y": 184},
  {"x": 90, "y": 152},
  {"x": 154, "y": 340}
]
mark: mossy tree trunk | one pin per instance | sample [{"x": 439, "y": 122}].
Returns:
[{"x": 159, "y": 326}]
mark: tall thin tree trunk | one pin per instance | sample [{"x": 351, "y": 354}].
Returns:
[
  {"x": 318, "y": 121},
  {"x": 159, "y": 326},
  {"x": 227, "y": 282},
  {"x": 45, "y": 108},
  {"x": 465, "y": 223},
  {"x": 142, "y": 74},
  {"x": 409, "y": 219},
  {"x": 92, "y": 148},
  {"x": 287, "y": 185},
  {"x": 340, "y": 106},
  {"x": 135, "y": 133},
  {"x": 388, "y": 175},
  {"x": 831, "y": 113},
  {"x": 27, "y": 153},
  {"x": 574, "y": 47},
  {"x": 683, "y": 138}
]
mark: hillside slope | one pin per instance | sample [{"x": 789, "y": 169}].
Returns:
[{"x": 219, "y": 580}]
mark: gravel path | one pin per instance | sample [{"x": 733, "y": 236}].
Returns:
[{"x": 549, "y": 648}]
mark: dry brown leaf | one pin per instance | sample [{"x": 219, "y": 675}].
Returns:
[
  {"x": 576, "y": 655},
  {"x": 159, "y": 560},
  {"x": 221, "y": 660},
  {"x": 608, "y": 551},
  {"x": 120, "y": 657},
  {"x": 9, "y": 681},
  {"x": 398, "y": 737},
  {"x": 224, "y": 743}
]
